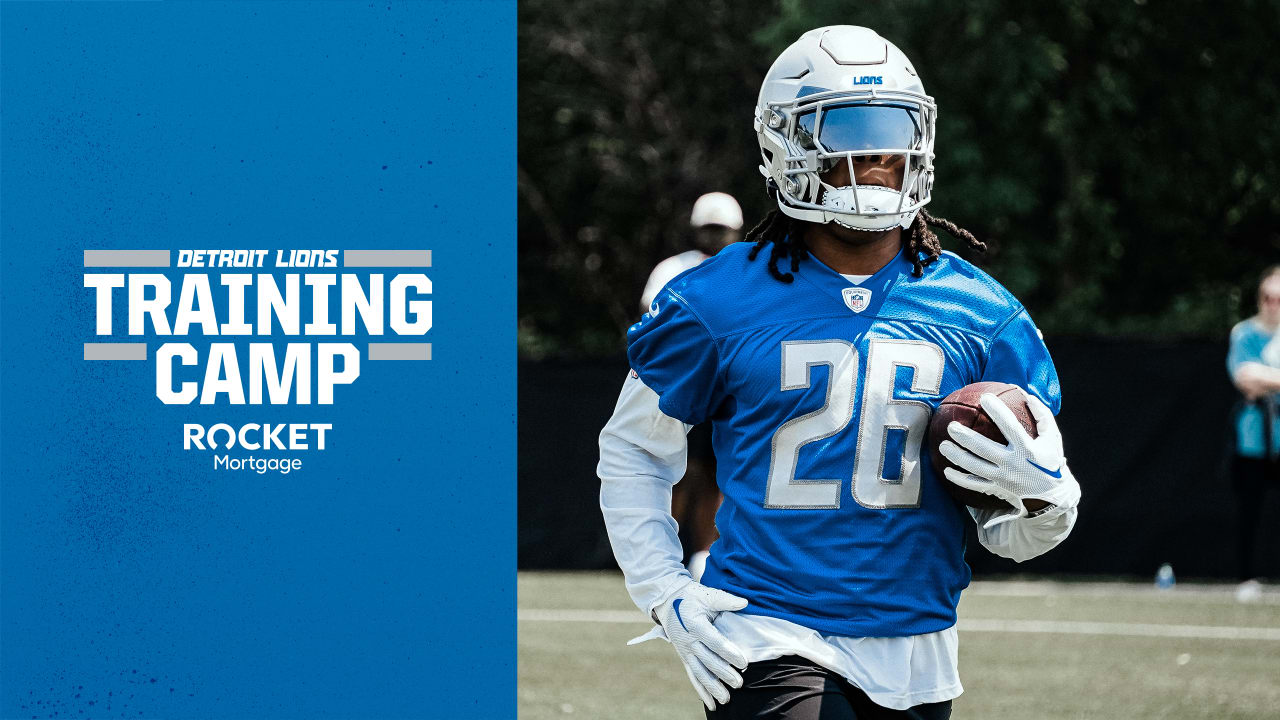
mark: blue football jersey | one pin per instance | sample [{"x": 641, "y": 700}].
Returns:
[{"x": 820, "y": 392}]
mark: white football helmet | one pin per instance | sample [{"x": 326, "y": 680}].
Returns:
[{"x": 837, "y": 93}]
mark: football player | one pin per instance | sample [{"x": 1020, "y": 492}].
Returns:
[{"x": 818, "y": 349}]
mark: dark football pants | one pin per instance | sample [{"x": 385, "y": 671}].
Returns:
[{"x": 793, "y": 688}]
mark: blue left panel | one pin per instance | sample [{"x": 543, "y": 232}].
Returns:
[{"x": 137, "y": 577}]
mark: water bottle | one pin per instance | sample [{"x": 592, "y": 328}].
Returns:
[{"x": 1164, "y": 577}]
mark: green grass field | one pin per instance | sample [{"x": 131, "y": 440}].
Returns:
[{"x": 1028, "y": 649}]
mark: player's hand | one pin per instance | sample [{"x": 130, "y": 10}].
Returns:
[
  {"x": 709, "y": 657},
  {"x": 1027, "y": 468}
]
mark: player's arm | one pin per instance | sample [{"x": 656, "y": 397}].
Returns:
[
  {"x": 1031, "y": 474},
  {"x": 642, "y": 455},
  {"x": 1023, "y": 539}
]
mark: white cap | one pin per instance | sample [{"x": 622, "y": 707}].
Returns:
[{"x": 716, "y": 208}]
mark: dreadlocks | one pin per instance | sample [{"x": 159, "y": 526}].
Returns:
[{"x": 783, "y": 233}]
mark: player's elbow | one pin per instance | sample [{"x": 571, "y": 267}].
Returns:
[
  {"x": 1017, "y": 552},
  {"x": 1024, "y": 543},
  {"x": 1021, "y": 553}
]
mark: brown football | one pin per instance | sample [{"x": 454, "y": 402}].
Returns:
[{"x": 963, "y": 406}]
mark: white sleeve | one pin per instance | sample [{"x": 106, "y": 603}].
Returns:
[
  {"x": 666, "y": 271},
  {"x": 642, "y": 455},
  {"x": 1025, "y": 538},
  {"x": 655, "y": 283}
]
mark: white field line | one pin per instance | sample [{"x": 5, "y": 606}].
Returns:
[
  {"x": 1145, "y": 591},
  {"x": 596, "y": 616},
  {"x": 1076, "y": 627},
  {"x": 1044, "y": 627}
]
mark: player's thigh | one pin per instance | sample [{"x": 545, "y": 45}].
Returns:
[{"x": 786, "y": 688}]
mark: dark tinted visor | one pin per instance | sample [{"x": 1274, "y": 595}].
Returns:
[{"x": 861, "y": 127}]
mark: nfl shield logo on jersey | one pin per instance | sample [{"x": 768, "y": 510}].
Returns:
[{"x": 857, "y": 298}]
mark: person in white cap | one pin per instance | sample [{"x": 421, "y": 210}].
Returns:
[{"x": 717, "y": 223}]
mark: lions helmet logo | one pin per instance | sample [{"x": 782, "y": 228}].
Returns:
[{"x": 857, "y": 298}]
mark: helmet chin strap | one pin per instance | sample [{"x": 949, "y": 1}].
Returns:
[{"x": 878, "y": 199}]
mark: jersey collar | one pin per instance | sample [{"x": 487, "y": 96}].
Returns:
[{"x": 833, "y": 284}]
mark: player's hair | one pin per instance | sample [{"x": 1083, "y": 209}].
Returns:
[{"x": 783, "y": 232}]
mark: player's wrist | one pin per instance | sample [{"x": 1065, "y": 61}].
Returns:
[
  {"x": 677, "y": 585},
  {"x": 1066, "y": 493}
]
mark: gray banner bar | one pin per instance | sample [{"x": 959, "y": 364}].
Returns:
[
  {"x": 126, "y": 258},
  {"x": 115, "y": 351},
  {"x": 386, "y": 258},
  {"x": 399, "y": 351}
]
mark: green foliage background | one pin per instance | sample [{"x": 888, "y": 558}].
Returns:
[{"x": 1120, "y": 157}]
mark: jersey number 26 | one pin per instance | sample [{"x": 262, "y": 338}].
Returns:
[{"x": 881, "y": 411}]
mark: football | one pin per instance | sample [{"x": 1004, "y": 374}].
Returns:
[{"x": 963, "y": 406}]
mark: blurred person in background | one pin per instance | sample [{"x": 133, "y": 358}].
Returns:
[
  {"x": 717, "y": 223},
  {"x": 1253, "y": 360}
]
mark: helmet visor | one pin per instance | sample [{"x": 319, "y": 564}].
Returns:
[{"x": 859, "y": 126}]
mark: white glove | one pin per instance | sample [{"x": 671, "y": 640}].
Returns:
[
  {"x": 709, "y": 657},
  {"x": 1027, "y": 468}
]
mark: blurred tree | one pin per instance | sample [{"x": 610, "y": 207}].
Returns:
[
  {"x": 1119, "y": 157},
  {"x": 628, "y": 112}
]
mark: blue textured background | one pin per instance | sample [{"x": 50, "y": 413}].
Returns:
[{"x": 379, "y": 580}]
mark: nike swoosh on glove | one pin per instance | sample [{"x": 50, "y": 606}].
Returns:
[
  {"x": 709, "y": 657},
  {"x": 1027, "y": 468}
]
